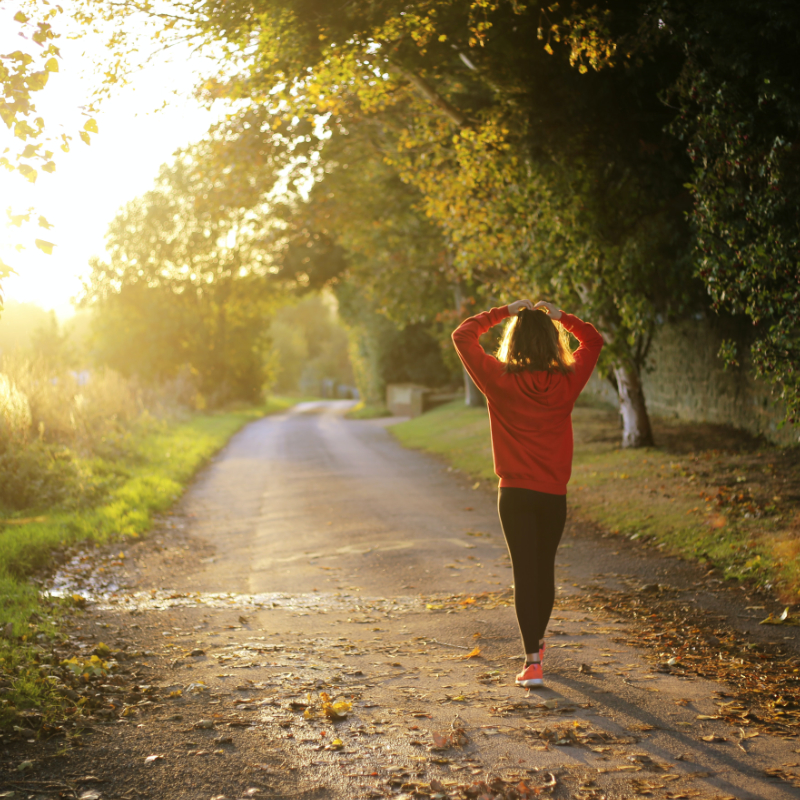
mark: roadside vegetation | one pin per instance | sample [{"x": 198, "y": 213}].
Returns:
[
  {"x": 703, "y": 492},
  {"x": 364, "y": 410},
  {"x": 83, "y": 461}
]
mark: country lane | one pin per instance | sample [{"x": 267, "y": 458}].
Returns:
[{"x": 309, "y": 490}]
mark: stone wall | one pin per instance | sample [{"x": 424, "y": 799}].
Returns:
[{"x": 685, "y": 380}]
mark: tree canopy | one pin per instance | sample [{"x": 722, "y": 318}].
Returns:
[
  {"x": 186, "y": 285},
  {"x": 624, "y": 158}
]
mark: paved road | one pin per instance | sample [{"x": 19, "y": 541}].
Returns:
[
  {"x": 310, "y": 489},
  {"x": 316, "y": 555}
]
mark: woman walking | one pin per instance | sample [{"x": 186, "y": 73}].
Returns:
[{"x": 531, "y": 388}]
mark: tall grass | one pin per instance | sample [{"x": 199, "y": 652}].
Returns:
[{"x": 70, "y": 408}]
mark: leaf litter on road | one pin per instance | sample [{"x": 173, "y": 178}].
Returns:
[{"x": 679, "y": 639}]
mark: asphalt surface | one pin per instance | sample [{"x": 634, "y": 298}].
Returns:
[{"x": 315, "y": 555}]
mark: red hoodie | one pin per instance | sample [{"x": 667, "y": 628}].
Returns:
[{"x": 530, "y": 412}]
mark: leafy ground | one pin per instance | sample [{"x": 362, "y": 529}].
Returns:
[
  {"x": 705, "y": 492},
  {"x": 141, "y": 479}
]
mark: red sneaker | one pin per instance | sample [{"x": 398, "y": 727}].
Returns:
[{"x": 531, "y": 676}]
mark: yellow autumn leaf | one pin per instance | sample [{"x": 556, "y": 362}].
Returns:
[{"x": 342, "y": 706}]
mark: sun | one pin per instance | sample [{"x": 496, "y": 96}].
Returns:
[{"x": 92, "y": 182}]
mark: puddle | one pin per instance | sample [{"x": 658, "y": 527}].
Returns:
[
  {"x": 99, "y": 580},
  {"x": 87, "y": 574},
  {"x": 94, "y": 578},
  {"x": 318, "y": 602}
]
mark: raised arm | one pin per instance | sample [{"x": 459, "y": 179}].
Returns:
[
  {"x": 482, "y": 367},
  {"x": 591, "y": 343}
]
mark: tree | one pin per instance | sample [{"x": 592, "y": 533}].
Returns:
[
  {"x": 186, "y": 285},
  {"x": 540, "y": 177},
  {"x": 394, "y": 282},
  {"x": 309, "y": 344},
  {"x": 740, "y": 122}
]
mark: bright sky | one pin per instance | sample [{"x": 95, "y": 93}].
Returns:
[{"x": 92, "y": 182}]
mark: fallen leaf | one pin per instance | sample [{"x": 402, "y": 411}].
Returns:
[
  {"x": 440, "y": 741},
  {"x": 337, "y": 710},
  {"x": 153, "y": 759}
]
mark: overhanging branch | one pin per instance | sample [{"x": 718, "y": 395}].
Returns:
[{"x": 432, "y": 96}]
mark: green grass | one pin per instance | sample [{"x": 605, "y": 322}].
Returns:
[
  {"x": 364, "y": 411},
  {"x": 690, "y": 497},
  {"x": 151, "y": 477},
  {"x": 458, "y": 434}
]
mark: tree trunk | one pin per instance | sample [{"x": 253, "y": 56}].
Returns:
[
  {"x": 636, "y": 430},
  {"x": 473, "y": 396}
]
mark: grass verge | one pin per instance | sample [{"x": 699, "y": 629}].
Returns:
[
  {"x": 706, "y": 492},
  {"x": 363, "y": 411},
  {"x": 150, "y": 477}
]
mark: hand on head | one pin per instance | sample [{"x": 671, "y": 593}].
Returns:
[
  {"x": 518, "y": 305},
  {"x": 550, "y": 309}
]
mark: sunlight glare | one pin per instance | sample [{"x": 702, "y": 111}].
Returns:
[{"x": 92, "y": 182}]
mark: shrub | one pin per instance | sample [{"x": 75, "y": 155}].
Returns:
[
  {"x": 59, "y": 431},
  {"x": 34, "y": 476}
]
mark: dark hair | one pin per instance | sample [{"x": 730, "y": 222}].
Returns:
[{"x": 532, "y": 342}]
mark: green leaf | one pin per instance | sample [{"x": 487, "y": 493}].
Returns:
[
  {"x": 51, "y": 65},
  {"x": 20, "y": 17},
  {"x": 84, "y": 137},
  {"x": 45, "y": 247},
  {"x": 90, "y": 126}
]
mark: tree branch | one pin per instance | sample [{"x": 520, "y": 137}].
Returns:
[{"x": 432, "y": 96}]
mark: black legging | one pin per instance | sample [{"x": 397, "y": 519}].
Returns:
[{"x": 532, "y": 524}]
